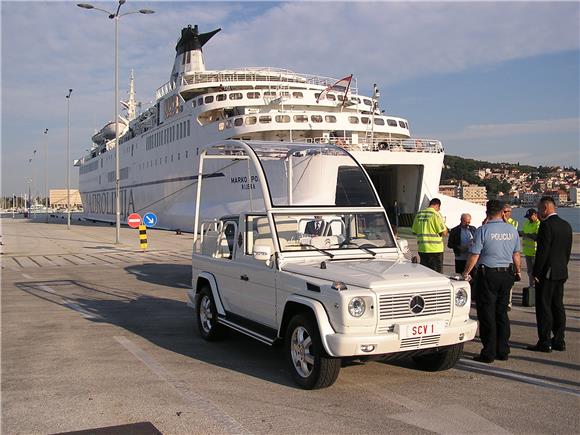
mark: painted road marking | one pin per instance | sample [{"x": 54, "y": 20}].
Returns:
[
  {"x": 508, "y": 374},
  {"x": 228, "y": 423}
]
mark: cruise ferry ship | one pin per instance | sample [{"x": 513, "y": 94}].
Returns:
[{"x": 159, "y": 147}]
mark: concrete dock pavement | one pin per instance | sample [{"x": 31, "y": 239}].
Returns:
[{"x": 96, "y": 334}]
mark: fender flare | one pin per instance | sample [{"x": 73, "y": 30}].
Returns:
[
  {"x": 214, "y": 291},
  {"x": 324, "y": 326}
]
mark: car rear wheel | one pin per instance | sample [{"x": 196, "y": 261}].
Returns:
[
  {"x": 206, "y": 316},
  {"x": 442, "y": 360},
  {"x": 310, "y": 365}
]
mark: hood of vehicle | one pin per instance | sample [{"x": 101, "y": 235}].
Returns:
[{"x": 370, "y": 273}]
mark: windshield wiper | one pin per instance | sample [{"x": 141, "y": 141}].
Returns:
[
  {"x": 364, "y": 248},
  {"x": 317, "y": 249}
]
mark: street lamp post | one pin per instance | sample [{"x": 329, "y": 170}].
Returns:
[
  {"x": 115, "y": 16},
  {"x": 68, "y": 160},
  {"x": 46, "y": 175}
]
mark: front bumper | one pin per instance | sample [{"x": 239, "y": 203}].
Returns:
[{"x": 344, "y": 345}]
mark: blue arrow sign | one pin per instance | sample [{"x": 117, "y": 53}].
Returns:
[{"x": 150, "y": 220}]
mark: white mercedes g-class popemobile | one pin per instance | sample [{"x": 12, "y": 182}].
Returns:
[{"x": 292, "y": 244}]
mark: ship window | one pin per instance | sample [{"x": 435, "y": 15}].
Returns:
[
  {"x": 353, "y": 119},
  {"x": 186, "y": 154},
  {"x": 316, "y": 118},
  {"x": 300, "y": 118},
  {"x": 236, "y": 96},
  {"x": 392, "y": 122},
  {"x": 265, "y": 119},
  {"x": 340, "y": 97},
  {"x": 99, "y": 179},
  {"x": 379, "y": 121},
  {"x": 221, "y": 126},
  {"x": 172, "y": 133},
  {"x": 209, "y": 99},
  {"x": 188, "y": 127},
  {"x": 401, "y": 124},
  {"x": 251, "y": 120},
  {"x": 297, "y": 94},
  {"x": 229, "y": 123},
  {"x": 171, "y": 157},
  {"x": 165, "y": 159},
  {"x": 364, "y": 119},
  {"x": 253, "y": 95},
  {"x": 285, "y": 94},
  {"x": 238, "y": 122},
  {"x": 330, "y": 118},
  {"x": 178, "y": 156},
  {"x": 269, "y": 94},
  {"x": 368, "y": 102},
  {"x": 356, "y": 99},
  {"x": 193, "y": 104},
  {"x": 282, "y": 118},
  {"x": 221, "y": 97},
  {"x": 317, "y": 95},
  {"x": 331, "y": 97},
  {"x": 200, "y": 101}
]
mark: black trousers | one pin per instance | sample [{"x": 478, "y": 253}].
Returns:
[
  {"x": 550, "y": 313},
  {"x": 460, "y": 266},
  {"x": 432, "y": 260},
  {"x": 493, "y": 295}
]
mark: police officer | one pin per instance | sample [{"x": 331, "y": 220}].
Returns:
[
  {"x": 430, "y": 230},
  {"x": 495, "y": 254}
]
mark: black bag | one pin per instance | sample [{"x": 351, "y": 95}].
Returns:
[{"x": 529, "y": 297}]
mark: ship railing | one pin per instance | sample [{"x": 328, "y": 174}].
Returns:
[
  {"x": 416, "y": 145},
  {"x": 255, "y": 74}
]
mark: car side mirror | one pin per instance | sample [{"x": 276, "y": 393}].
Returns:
[
  {"x": 403, "y": 245},
  {"x": 262, "y": 253}
]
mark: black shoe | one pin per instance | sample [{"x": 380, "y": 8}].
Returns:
[
  {"x": 502, "y": 357},
  {"x": 559, "y": 347},
  {"x": 538, "y": 348},
  {"x": 483, "y": 359}
]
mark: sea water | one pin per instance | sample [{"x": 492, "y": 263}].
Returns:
[{"x": 572, "y": 215}]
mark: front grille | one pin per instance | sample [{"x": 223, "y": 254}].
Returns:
[
  {"x": 419, "y": 342},
  {"x": 396, "y": 306}
]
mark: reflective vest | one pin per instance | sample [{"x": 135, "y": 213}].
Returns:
[
  {"x": 427, "y": 226},
  {"x": 514, "y": 223},
  {"x": 528, "y": 245}
]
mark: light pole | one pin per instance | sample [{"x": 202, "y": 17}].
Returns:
[
  {"x": 68, "y": 160},
  {"x": 46, "y": 175},
  {"x": 115, "y": 16}
]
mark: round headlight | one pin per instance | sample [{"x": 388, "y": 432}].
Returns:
[
  {"x": 356, "y": 307},
  {"x": 461, "y": 297}
]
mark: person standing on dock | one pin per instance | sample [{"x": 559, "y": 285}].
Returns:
[
  {"x": 460, "y": 239},
  {"x": 430, "y": 230},
  {"x": 550, "y": 274},
  {"x": 529, "y": 235}
]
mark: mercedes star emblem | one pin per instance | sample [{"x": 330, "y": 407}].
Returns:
[{"x": 417, "y": 304}]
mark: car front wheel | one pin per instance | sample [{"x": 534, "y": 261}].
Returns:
[
  {"x": 310, "y": 365},
  {"x": 206, "y": 316}
]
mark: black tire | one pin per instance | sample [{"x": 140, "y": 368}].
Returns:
[
  {"x": 206, "y": 316},
  {"x": 442, "y": 360},
  {"x": 310, "y": 365}
]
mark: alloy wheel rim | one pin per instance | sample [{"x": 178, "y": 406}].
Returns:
[
  {"x": 205, "y": 315},
  {"x": 301, "y": 352}
]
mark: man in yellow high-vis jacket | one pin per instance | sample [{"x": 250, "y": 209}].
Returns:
[
  {"x": 430, "y": 230},
  {"x": 528, "y": 235}
]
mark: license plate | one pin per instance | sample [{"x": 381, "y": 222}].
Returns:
[{"x": 420, "y": 329}]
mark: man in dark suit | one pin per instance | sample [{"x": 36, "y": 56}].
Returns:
[
  {"x": 550, "y": 274},
  {"x": 315, "y": 227},
  {"x": 460, "y": 239}
]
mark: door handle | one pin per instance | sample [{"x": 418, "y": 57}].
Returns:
[{"x": 244, "y": 278}]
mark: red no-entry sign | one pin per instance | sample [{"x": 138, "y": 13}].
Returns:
[{"x": 134, "y": 220}]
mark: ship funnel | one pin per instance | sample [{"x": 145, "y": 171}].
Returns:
[{"x": 189, "y": 55}]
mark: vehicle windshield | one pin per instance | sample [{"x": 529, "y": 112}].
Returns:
[
  {"x": 364, "y": 231},
  {"x": 313, "y": 175}
]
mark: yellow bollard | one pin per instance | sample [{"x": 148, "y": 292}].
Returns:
[{"x": 143, "y": 237}]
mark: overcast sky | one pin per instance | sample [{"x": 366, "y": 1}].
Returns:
[{"x": 496, "y": 81}]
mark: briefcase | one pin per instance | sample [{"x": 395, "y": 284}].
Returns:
[{"x": 529, "y": 297}]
